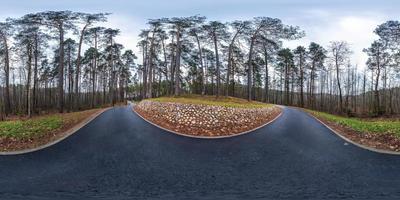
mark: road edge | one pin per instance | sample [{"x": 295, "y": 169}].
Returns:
[
  {"x": 208, "y": 137},
  {"x": 66, "y": 134},
  {"x": 351, "y": 141}
]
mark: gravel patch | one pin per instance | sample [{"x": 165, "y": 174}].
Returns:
[{"x": 205, "y": 120}]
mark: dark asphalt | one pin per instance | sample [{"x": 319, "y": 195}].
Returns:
[{"x": 120, "y": 156}]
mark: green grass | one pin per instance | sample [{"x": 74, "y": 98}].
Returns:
[
  {"x": 213, "y": 101},
  {"x": 30, "y": 128},
  {"x": 41, "y": 125},
  {"x": 361, "y": 125}
]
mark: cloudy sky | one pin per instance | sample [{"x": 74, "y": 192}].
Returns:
[{"x": 323, "y": 21}]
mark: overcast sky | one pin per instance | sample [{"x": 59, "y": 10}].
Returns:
[{"x": 323, "y": 21}]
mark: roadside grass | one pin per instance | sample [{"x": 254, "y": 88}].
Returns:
[
  {"x": 213, "y": 101},
  {"x": 42, "y": 125},
  {"x": 29, "y": 128},
  {"x": 377, "y": 126}
]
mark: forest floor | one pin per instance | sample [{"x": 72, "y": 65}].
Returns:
[
  {"x": 207, "y": 116},
  {"x": 22, "y": 134},
  {"x": 376, "y": 133}
]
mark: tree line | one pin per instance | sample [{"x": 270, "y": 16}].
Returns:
[
  {"x": 61, "y": 60},
  {"x": 246, "y": 59},
  {"x": 66, "y": 61}
]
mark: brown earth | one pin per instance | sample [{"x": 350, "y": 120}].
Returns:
[
  {"x": 383, "y": 141},
  {"x": 205, "y": 120},
  {"x": 70, "y": 120}
]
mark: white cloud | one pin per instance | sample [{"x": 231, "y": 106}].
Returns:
[
  {"x": 129, "y": 27},
  {"x": 356, "y": 30}
]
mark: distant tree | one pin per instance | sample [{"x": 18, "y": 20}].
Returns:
[
  {"x": 61, "y": 22},
  {"x": 25, "y": 42},
  {"x": 143, "y": 45},
  {"x": 267, "y": 28},
  {"x": 340, "y": 52},
  {"x": 70, "y": 51},
  {"x": 285, "y": 65},
  {"x": 269, "y": 48},
  {"x": 87, "y": 21},
  {"x": 197, "y": 31},
  {"x": 89, "y": 58},
  {"x": 6, "y": 32},
  {"x": 389, "y": 32},
  {"x": 112, "y": 52},
  {"x": 128, "y": 63},
  {"x": 300, "y": 54},
  {"x": 155, "y": 31},
  {"x": 317, "y": 55},
  {"x": 239, "y": 28},
  {"x": 93, "y": 35},
  {"x": 378, "y": 59},
  {"x": 180, "y": 25},
  {"x": 217, "y": 31}
]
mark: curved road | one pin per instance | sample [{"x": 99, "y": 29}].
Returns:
[{"x": 120, "y": 156}]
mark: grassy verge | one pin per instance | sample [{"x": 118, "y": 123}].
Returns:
[
  {"x": 378, "y": 126},
  {"x": 213, "y": 101},
  {"x": 39, "y": 126}
]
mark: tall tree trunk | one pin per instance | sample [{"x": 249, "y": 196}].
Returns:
[
  {"x": 301, "y": 82},
  {"x": 78, "y": 65},
  {"x": 376, "y": 91},
  {"x": 94, "y": 71},
  {"x": 203, "y": 85},
  {"x": 150, "y": 71},
  {"x": 28, "y": 83},
  {"x": 338, "y": 83},
  {"x": 250, "y": 63},
  {"x": 7, "y": 101},
  {"x": 230, "y": 61},
  {"x": 61, "y": 71},
  {"x": 70, "y": 78},
  {"x": 250, "y": 69},
  {"x": 177, "y": 62},
  {"x": 287, "y": 84},
  {"x": 311, "y": 93},
  {"x": 111, "y": 63},
  {"x": 165, "y": 65},
  {"x": 93, "y": 82},
  {"x": 144, "y": 54},
  {"x": 266, "y": 85},
  {"x": 35, "y": 74},
  {"x": 217, "y": 64},
  {"x": 364, "y": 90}
]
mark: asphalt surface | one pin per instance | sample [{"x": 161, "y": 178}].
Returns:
[{"x": 120, "y": 156}]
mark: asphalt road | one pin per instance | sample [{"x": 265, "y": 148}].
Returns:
[{"x": 120, "y": 156}]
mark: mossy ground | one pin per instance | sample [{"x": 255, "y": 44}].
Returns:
[
  {"x": 213, "y": 101},
  {"x": 378, "y": 126},
  {"x": 38, "y": 126}
]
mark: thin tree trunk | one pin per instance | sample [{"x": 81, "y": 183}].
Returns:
[
  {"x": 203, "y": 86},
  {"x": 35, "y": 74},
  {"x": 217, "y": 64},
  {"x": 338, "y": 83},
  {"x": 28, "y": 83},
  {"x": 7, "y": 101},
  {"x": 61, "y": 71},
  {"x": 177, "y": 62},
  {"x": 266, "y": 99},
  {"x": 78, "y": 65},
  {"x": 230, "y": 62}
]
